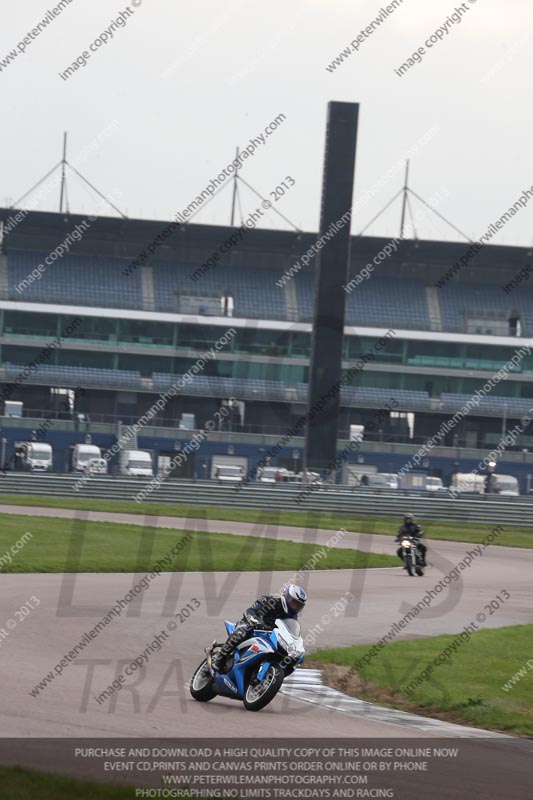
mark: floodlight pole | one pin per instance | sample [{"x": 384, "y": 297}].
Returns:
[
  {"x": 404, "y": 204},
  {"x": 234, "y": 193},
  {"x": 63, "y": 163}
]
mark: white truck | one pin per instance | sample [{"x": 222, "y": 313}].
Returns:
[
  {"x": 273, "y": 475},
  {"x": 390, "y": 478},
  {"x": 34, "y": 456},
  {"x": 228, "y": 474},
  {"x": 137, "y": 463},
  {"x": 229, "y": 469},
  {"x": 434, "y": 484},
  {"x": 379, "y": 480},
  {"x": 474, "y": 483},
  {"x": 82, "y": 454},
  {"x": 506, "y": 485}
]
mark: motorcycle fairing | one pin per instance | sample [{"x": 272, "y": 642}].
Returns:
[{"x": 244, "y": 658}]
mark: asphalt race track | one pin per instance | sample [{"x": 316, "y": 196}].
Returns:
[{"x": 155, "y": 702}]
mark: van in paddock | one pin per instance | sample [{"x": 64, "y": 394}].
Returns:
[
  {"x": 33, "y": 457},
  {"x": 474, "y": 483},
  {"x": 136, "y": 463},
  {"x": 82, "y": 455}
]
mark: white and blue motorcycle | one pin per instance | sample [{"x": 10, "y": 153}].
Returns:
[{"x": 256, "y": 670}]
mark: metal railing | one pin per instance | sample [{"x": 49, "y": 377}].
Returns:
[{"x": 485, "y": 509}]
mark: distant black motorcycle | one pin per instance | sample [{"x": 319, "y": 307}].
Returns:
[{"x": 411, "y": 555}]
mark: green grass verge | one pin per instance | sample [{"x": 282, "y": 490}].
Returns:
[
  {"x": 63, "y": 545},
  {"x": 25, "y": 784},
  {"x": 467, "y": 687},
  {"x": 512, "y": 536}
]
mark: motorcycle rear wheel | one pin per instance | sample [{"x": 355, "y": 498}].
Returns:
[
  {"x": 259, "y": 695},
  {"x": 201, "y": 685}
]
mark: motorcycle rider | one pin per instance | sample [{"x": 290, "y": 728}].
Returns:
[
  {"x": 263, "y": 613},
  {"x": 411, "y": 528}
]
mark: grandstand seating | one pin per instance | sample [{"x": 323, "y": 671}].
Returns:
[
  {"x": 76, "y": 280},
  {"x": 371, "y": 396},
  {"x": 457, "y": 303},
  {"x": 408, "y": 400},
  {"x": 249, "y": 388},
  {"x": 401, "y": 294},
  {"x": 399, "y": 303},
  {"x": 254, "y": 292},
  {"x": 490, "y": 404},
  {"x": 277, "y": 391},
  {"x": 77, "y": 375},
  {"x": 374, "y": 303},
  {"x": 100, "y": 282},
  {"x": 264, "y": 390}
]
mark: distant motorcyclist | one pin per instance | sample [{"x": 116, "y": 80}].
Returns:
[
  {"x": 411, "y": 528},
  {"x": 263, "y": 613}
]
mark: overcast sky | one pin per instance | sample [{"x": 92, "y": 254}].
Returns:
[{"x": 187, "y": 82}]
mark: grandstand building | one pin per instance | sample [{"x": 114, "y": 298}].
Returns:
[{"x": 133, "y": 305}]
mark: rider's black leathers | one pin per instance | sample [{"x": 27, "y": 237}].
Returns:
[
  {"x": 261, "y": 614},
  {"x": 411, "y": 529}
]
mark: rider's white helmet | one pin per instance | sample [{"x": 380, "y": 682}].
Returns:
[{"x": 293, "y": 599}]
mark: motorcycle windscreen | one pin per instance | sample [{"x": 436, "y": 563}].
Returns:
[
  {"x": 291, "y": 625},
  {"x": 289, "y": 635}
]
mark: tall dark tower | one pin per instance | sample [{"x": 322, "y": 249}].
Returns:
[{"x": 331, "y": 274}]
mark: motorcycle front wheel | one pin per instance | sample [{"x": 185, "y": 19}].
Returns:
[
  {"x": 201, "y": 685},
  {"x": 260, "y": 693}
]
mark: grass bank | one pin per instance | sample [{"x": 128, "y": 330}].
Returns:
[
  {"x": 25, "y": 784},
  {"x": 486, "y": 682},
  {"x": 63, "y": 545}
]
